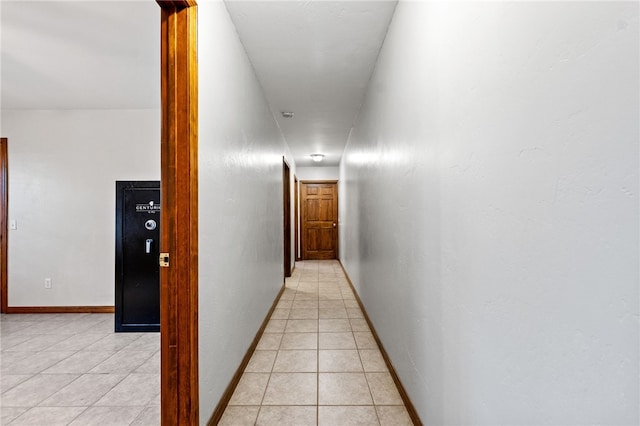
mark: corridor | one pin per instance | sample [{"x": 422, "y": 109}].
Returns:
[{"x": 317, "y": 361}]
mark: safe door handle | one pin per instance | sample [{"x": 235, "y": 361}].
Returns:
[{"x": 147, "y": 245}]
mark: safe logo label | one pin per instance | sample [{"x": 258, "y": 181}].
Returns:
[{"x": 150, "y": 207}]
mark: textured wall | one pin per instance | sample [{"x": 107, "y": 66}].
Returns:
[
  {"x": 489, "y": 204},
  {"x": 62, "y": 171},
  {"x": 318, "y": 173},
  {"x": 240, "y": 204}
]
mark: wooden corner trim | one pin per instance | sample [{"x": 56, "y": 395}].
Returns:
[
  {"x": 4, "y": 228},
  {"x": 176, "y": 4},
  {"x": 60, "y": 309},
  {"x": 413, "y": 414},
  {"x": 226, "y": 396}
]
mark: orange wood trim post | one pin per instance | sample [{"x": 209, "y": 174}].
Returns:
[
  {"x": 179, "y": 203},
  {"x": 4, "y": 206}
]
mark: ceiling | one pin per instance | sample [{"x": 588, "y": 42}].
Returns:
[{"x": 313, "y": 58}]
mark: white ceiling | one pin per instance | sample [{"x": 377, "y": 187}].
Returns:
[
  {"x": 80, "y": 54},
  {"x": 313, "y": 58}
]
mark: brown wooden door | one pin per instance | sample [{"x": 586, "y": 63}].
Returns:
[{"x": 319, "y": 220}]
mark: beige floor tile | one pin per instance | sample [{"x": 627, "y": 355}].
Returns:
[
  {"x": 122, "y": 362},
  {"x": 291, "y": 389},
  {"x": 343, "y": 389},
  {"x": 393, "y": 416},
  {"x": 150, "y": 416},
  {"x": 305, "y": 304},
  {"x": 334, "y": 325},
  {"x": 11, "y": 340},
  {"x": 77, "y": 342},
  {"x": 347, "y": 416},
  {"x": 359, "y": 324},
  {"x": 112, "y": 416},
  {"x": 331, "y": 296},
  {"x": 275, "y": 326},
  {"x": 343, "y": 340},
  {"x": 80, "y": 362},
  {"x": 114, "y": 342},
  {"x": 326, "y": 313},
  {"x": 299, "y": 341},
  {"x": 296, "y": 361},
  {"x": 50, "y": 416},
  {"x": 306, "y": 296},
  {"x": 355, "y": 313},
  {"x": 288, "y": 294},
  {"x": 269, "y": 341},
  {"x": 9, "y": 413},
  {"x": 239, "y": 416},
  {"x": 285, "y": 304},
  {"x": 331, "y": 304},
  {"x": 287, "y": 416},
  {"x": 37, "y": 343},
  {"x": 365, "y": 340},
  {"x": 261, "y": 362},
  {"x": 250, "y": 389},
  {"x": 148, "y": 342},
  {"x": 351, "y": 303},
  {"x": 144, "y": 386},
  {"x": 304, "y": 313},
  {"x": 372, "y": 360},
  {"x": 36, "y": 389},
  {"x": 34, "y": 363},
  {"x": 10, "y": 380},
  {"x": 151, "y": 365},
  {"x": 339, "y": 361},
  {"x": 383, "y": 389},
  {"x": 280, "y": 313},
  {"x": 301, "y": 326},
  {"x": 84, "y": 391}
]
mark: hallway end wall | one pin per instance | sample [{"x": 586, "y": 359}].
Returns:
[
  {"x": 63, "y": 165},
  {"x": 489, "y": 205},
  {"x": 240, "y": 204}
]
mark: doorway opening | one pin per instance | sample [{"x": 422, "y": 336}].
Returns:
[
  {"x": 296, "y": 218},
  {"x": 286, "y": 204}
]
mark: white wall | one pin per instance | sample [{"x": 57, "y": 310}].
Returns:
[
  {"x": 489, "y": 196},
  {"x": 318, "y": 173},
  {"x": 240, "y": 204},
  {"x": 62, "y": 171}
]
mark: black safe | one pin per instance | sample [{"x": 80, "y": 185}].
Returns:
[{"x": 137, "y": 278}]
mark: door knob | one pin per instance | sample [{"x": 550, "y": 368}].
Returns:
[
  {"x": 147, "y": 245},
  {"x": 334, "y": 225}
]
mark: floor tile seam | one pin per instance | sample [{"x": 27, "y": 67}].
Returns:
[{"x": 33, "y": 407}]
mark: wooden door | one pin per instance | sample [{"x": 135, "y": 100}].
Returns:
[{"x": 319, "y": 220}]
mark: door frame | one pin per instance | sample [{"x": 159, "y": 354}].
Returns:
[
  {"x": 179, "y": 220},
  {"x": 296, "y": 217},
  {"x": 332, "y": 181},
  {"x": 4, "y": 215},
  {"x": 286, "y": 208}
]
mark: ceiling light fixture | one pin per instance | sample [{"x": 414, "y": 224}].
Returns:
[
  {"x": 317, "y": 157},
  {"x": 287, "y": 114}
]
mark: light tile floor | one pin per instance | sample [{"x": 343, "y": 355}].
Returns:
[
  {"x": 72, "y": 369},
  {"x": 317, "y": 362}
]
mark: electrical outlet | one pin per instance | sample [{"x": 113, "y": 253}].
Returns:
[
  {"x": 13, "y": 225},
  {"x": 47, "y": 283}
]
